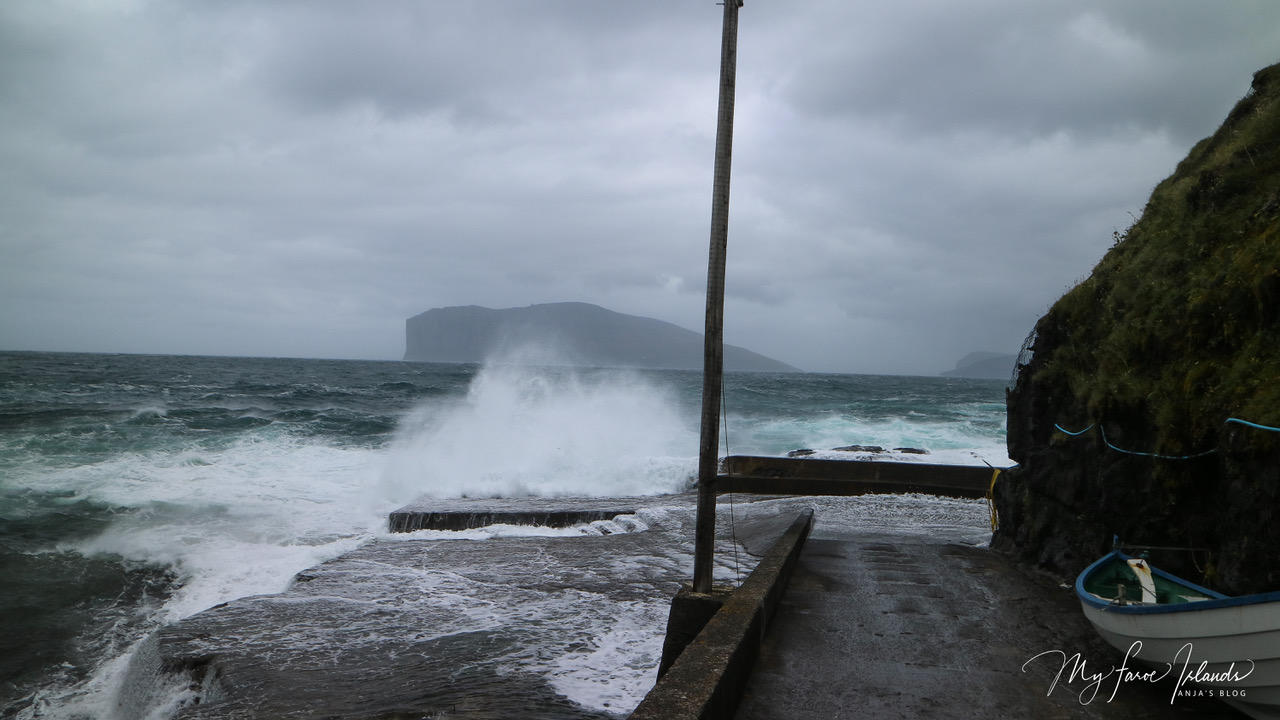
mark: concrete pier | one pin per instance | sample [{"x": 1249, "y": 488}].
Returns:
[
  {"x": 878, "y": 625},
  {"x": 901, "y": 616},
  {"x": 894, "y": 609},
  {"x": 465, "y": 514},
  {"x": 706, "y": 679},
  {"x": 808, "y": 476}
]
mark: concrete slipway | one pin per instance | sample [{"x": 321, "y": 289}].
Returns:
[
  {"x": 882, "y": 625},
  {"x": 928, "y": 624},
  {"x": 894, "y": 610}
]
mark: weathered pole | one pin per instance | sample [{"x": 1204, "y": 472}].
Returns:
[{"x": 713, "y": 337}]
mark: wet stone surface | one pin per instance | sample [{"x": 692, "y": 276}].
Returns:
[
  {"x": 896, "y": 611},
  {"x": 891, "y": 625},
  {"x": 463, "y": 514},
  {"x": 444, "y": 625}
]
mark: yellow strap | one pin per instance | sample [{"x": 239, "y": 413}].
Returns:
[{"x": 991, "y": 505}]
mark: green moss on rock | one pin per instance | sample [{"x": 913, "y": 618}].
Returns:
[{"x": 1176, "y": 330}]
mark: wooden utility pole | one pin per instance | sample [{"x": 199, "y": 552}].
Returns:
[{"x": 713, "y": 337}]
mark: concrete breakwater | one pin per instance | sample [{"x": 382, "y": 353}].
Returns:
[
  {"x": 705, "y": 678},
  {"x": 808, "y": 476},
  {"x": 500, "y": 622},
  {"x": 915, "y": 620},
  {"x": 569, "y": 624},
  {"x": 910, "y": 622},
  {"x": 449, "y": 514}
]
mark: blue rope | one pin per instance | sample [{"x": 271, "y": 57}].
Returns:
[
  {"x": 1253, "y": 425},
  {"x": 1155, "y": 455},
  {"x": 1062, "y": 429}
]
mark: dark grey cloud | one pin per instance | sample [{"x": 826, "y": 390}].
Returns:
[
  {"x": 1085, "y": 68},
  {"x": 912, "y": 181}
]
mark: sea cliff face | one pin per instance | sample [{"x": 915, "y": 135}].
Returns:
[{"x": 1175, "y": 333}]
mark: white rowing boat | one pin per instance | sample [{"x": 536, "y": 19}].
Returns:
[{"x": 1227, "y": 646}]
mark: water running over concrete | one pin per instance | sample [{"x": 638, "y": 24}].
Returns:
[{"x": 495, "y": 622}]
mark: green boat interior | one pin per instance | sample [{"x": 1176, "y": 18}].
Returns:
[{"x": 1132, "y": 582}]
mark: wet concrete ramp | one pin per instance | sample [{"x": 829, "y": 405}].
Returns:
[{"x": 879, "y": 625}]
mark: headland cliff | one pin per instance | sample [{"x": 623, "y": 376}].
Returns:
[{"x": 1125, "y": 414}]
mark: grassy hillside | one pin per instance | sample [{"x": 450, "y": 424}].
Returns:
[
  {"x": 1176, "y": 330},
  {"x": 1179, "y": 324}
]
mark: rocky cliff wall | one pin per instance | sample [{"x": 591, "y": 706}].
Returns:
[{"x": 1176, "y": 332}]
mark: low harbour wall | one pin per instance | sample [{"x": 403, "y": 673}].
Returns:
[
  {"x": 411, "y": 520},
  {"x": 804, "y": 476},
  {"x": 706, "y": 680}
]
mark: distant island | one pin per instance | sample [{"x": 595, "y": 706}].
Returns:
[
  {"x": 572, "y": 332},
  {"x": 983, "y": 365}
]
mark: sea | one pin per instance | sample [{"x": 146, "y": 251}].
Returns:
[{"x": 137, "y": 491}]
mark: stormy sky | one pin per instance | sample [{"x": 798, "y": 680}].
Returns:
[{"x": 912, "y": 180}]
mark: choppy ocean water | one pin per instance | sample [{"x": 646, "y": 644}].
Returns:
[{"x": 136, "y": 491}]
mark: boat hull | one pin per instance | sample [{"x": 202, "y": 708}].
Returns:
[{"x": 1230, "y": 646}]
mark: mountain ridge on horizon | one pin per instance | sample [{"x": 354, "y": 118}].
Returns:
[
  {"x": 983, "y": 365},
  {"x": 576, "y": 333}
]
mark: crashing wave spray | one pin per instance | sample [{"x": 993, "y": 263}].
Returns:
[{"x": 531, "y": 428}]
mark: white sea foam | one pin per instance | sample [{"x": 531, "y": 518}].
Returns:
[
  {"x": 615, "y": 670},
  {"x": 242, "y": 518},
  {"x": 994, "y": 456},
  {"x": 960, "y": 520},
  {"x": 543, "y": 431},
  {"x": 615, "y": 526},
  {"x": 959, "y": 443},
  {"x": 230, "y": 522}
]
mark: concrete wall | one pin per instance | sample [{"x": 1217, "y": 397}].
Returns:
[
  {"x": 801, "y": 476},
  {"x": 706, "y": 681}
]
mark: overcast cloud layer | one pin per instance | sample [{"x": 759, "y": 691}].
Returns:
[{"x": 912, "y": 180}]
